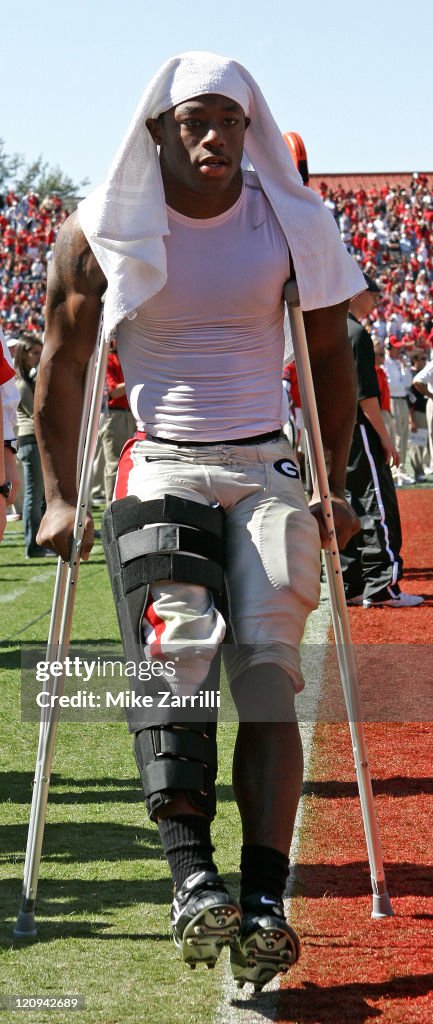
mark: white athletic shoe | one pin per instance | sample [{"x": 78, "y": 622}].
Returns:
[
  {"x": 400, "y": 600},
  {"x": 403, "y": 478}
]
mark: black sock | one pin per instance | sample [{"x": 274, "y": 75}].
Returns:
[
  {"x": 187, "y": 845},
  {"x": 263, "y": 870}
]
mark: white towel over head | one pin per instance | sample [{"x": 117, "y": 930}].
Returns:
[{"x": 125, "y": 219}]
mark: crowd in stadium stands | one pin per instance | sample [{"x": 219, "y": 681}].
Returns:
[
  {"x": 389, "y": 231},
  {"x": 28, "y": 229}
]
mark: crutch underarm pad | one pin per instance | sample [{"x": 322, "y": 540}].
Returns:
[{"x": 178, "y": 759}]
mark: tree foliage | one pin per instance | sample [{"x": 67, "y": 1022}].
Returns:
[{"x": 18, "y": 175}]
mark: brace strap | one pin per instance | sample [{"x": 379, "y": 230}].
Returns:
[
  {"x": 133, "y": 515},
  {"x": 172, "y": 774},
  {"x": 174, "y": 759},
  {"x": 184, "y": 743},
  {"x": 169, "y": 538},
  {"x": 183, "y": 568}
]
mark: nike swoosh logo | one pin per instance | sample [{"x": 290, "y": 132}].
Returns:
[
  {"x": 257, "y": 226},
  {"x": 195, "y": 881}
]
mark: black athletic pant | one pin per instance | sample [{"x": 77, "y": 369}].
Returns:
[{"x": 371, "y": 560}]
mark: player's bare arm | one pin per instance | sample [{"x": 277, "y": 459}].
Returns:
[
  {"x": 75, "y": 288},
  {"x": 422, "y": 388},
  {"x": 371, "y": 409},
  {"x": 334, "y": 377}
]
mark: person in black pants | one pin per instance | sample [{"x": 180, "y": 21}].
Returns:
[{"x": 371, "y": 561}]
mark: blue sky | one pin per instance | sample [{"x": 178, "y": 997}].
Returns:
[{"x": 354, "y": 79}]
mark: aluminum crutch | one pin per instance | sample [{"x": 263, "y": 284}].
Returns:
[
  {"x": 60, "y": 632},
  {"x": 62, "y": 567},
  {"x": 346, "y": 660}
]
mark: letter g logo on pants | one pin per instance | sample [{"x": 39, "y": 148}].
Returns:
[{"x": 287, "y": 467}]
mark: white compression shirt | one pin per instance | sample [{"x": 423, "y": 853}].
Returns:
[{"x": 203, "y": 358}]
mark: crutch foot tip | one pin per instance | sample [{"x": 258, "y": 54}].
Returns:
[
  {"x": 382, "y": 906},
  {"x": 25, "y": 928}
]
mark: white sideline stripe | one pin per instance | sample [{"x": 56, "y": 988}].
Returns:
[
  {"x": 316, "y": 633},
  {"x": 11, "y": 595}
]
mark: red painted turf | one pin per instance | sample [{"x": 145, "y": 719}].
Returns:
[{"x": 353, "y": 969}]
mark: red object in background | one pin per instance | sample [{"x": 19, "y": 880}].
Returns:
[
  {"x": 297, "y": 148},
  {"x": 6, "y": 371},
  {"x": 290, "y": 374},
  {"x": 385, "y": 397},
  {"x": 353, "y": 970},
  {"x": 114, "y": 378}
]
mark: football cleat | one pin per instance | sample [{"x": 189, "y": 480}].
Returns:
[
  {"x": 204, "y": 918},
  {"x": 266, "y": 944}
]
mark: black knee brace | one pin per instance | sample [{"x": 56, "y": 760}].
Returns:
[
  {"x": 177, "y": 530},
  {"x": 173, "y": 759}
]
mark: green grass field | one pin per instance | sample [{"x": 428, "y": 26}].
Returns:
[{"x": 104, "y": 891}]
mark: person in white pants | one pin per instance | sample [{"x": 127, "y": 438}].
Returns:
[
  {"x": 400, "y": 380},
  {"x": 423, "y": 382},
  {"x": 194, "y": 254}
]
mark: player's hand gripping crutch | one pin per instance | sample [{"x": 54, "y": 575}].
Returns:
[
  {"x": 381, "y": 901},
  {"x": 60, "y": 632}
]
